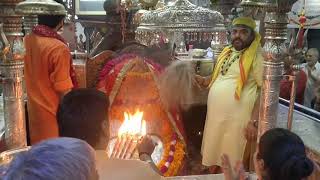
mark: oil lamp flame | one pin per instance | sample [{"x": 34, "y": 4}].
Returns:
[
  {"x": 133, "y": 124},
  {"x": 130, "y": 132}
]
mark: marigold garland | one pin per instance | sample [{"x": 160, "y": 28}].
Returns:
[
  {"x": 173, "y": 156},
  {"x": 129, "y": 97}
]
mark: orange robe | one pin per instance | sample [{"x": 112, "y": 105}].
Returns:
[{"x": 47, "y": 67}]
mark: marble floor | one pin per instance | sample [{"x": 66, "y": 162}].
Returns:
[{"x": 308, "y": 128}]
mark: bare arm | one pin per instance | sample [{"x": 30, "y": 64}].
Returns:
[
  {"x": 256, "y": 107},
  {"x": 251, "y": 131},
  {"x": 60, "y": 76}
]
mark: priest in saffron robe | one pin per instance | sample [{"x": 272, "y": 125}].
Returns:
[
  {"x": 233, "y": 96},
  {"x": 49, "y": 75}
]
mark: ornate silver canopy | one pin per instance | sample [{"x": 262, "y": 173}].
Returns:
[
  {"x": 181, "y": 21},
  {"x": 183, "y": 16},
  {"x": 38, "y": 7}
]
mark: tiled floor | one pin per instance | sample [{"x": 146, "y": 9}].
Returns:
[{"x": 305, "y": 127}]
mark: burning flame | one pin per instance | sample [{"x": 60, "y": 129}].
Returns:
[{"x": 133, "y": 124}]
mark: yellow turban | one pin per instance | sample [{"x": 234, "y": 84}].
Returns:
[{"x": 247, "y": 21}]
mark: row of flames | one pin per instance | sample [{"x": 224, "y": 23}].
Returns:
[{"x": 130, "y": 133}]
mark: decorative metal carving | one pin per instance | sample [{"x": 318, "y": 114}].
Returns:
[
  {"x": 201, "y": 3},
  {"x": 148, "y": 4},
  {"x": 196, "y": 24},
  {"x": 275, "y": 36},
  {"x": 183, "y": 16},
  {"x": 260, "y": 3},
  {"x": 38, "y": 7},
  {"x": 11, "y": 67},
  {"x": 227, "y": 8},
  {"x": 31, "y": 8},
  {"x": 309, "y": 10}
]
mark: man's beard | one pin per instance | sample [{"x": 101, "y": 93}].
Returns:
[{"x": 239, "y": 44}]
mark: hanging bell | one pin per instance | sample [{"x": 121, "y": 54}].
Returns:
[{"x": 40, "y": 7}]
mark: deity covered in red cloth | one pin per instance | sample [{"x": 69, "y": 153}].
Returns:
[{"x": 131, "y": 82}]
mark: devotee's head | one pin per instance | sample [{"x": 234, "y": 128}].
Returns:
[
  {"x": 60, "y": 158},
  {"x": 312, "y": 57},
  {"x": 53, "y": 21},
  {"x": 242, "y": 32},
  {"x": 282, "y": 155},
  {"x": 83, "y": 114}
]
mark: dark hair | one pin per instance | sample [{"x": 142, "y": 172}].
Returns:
[
  {"x": 82, "y": 114},
  {"x": 284, "y": 155},
  {"x": 51, "y": 21}
]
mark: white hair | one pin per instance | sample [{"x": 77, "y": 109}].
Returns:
[
  {"x": 177, "y": 84},
  {"x": 55, "y": 159}
]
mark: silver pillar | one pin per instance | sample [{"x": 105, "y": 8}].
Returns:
[
  {"x": 11, "y": 67},
  {"x": 275, "y": 36}
]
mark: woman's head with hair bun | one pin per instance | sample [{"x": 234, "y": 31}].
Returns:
[
  {"x": 284, "y": 155},
  {"x": 296, "y": 167}
]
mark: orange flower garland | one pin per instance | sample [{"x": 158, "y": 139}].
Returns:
[{"x": 173, "y": 156}]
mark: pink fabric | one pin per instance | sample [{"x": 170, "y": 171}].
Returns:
[{"x": 113, "y": 62}]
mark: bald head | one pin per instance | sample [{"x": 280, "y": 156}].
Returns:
[
  {"x": 314, "y": 51},
  {"x": 312, "y": 57}
]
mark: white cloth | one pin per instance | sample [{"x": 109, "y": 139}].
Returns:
[
  {"x": 309, "y": 91},
  {"x": 120, "y": 169}
]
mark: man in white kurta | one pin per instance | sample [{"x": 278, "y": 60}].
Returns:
[
  {"x": 234, "y": 89},
  {"x": 312, "y": 70}
]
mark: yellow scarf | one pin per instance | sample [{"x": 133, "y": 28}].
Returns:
[{"x": 245, "y": 64}]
